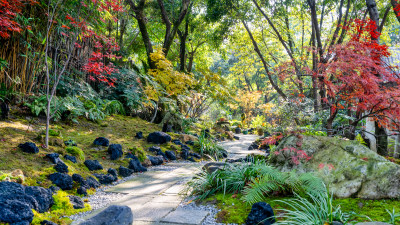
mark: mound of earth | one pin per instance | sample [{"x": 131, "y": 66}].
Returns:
[{"x": 348, "y": 168}]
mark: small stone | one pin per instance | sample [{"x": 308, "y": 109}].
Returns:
[
  {"x": 261, "y": 213},
  {"x": 101, "y": 141},
  {"x": 70, "y": 143},
  {"x": 159, "y": 137},
  {"x": 29, "y": 147},
  {"x": 76, "y": 202},
  {"x": 170, "y": 155},
  {"x": 125, "y": 172},
  {"x": 54, "y": 157},
  {"x": 81, "y": 191},
  {"x": 213, "y": 166},
  {"x": 139, "y": 135},
  {"x": 70, "y": 158},
  {"x": 93, "y": 165},
  {"x": 62, "y": 180},
  {"x": 115, "y": 151},
  {"x": 136, "y": 166},
  {"x": 61, "y": 167},
  {"x": 155, "y": 160},
  {"x": 113, "y": 172},
  {"x": 46, "y": 222},
  {"x": 105, "y": 178}
]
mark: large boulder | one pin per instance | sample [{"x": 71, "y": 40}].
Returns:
[
  {"x": 261, "y": 213},
  {"x": 113, "y": 215},
  {"x": 43, "y": 197},
  {"x": 158, "y": 137},
  {"x": 115, "y": 151},
  {"x": 112, "y": 171},
  {"x": 62, "y": 180},
  {"x": 29, "y": 147},
  {"x": 13, "y": 211},
  {"x": 93, "y": 165},
  {"x": 348, "y": 168},
  {"x": 91, "y": 182}
]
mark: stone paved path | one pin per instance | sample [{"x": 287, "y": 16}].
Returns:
[{"x": 155, "y": 195}]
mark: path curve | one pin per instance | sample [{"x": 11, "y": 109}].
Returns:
[{"x": 154, "y": 196}]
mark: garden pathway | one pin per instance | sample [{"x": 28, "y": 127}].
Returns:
[{"x": 154, "y": 196}]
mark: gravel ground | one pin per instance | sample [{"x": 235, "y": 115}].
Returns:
[{"x": 210, "y": 219}]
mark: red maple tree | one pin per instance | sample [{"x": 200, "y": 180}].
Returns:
[
  {"x": 9, "y": 9},
  {"x": 357, "y": 79}
]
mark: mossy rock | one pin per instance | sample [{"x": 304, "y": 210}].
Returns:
[
  {"x": 348, "y": 168},
  {"x": 77, "y": 152}
]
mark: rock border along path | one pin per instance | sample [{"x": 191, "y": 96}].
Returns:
[{"x": 154, "y": 196}]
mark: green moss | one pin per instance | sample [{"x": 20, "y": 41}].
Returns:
[
  {"x": 233, "y": 210},
  {"x": 54, "y": 133},
  {"x": 139, "y": 152},
  {"x": 61, "y": 207},
  {"x": 75, "y": 151}
]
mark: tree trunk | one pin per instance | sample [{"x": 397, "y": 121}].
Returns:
[
  {"x": 396, "y": 8},
  {"x": 382, "y": 140}
]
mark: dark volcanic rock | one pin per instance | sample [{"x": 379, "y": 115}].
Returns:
[
  {"x": 156, "y": 160},
  {"x": 13, "y": 211},
  {"x": 61, "y": 167},
  {"x": 184, "y": 154},
  {"x": 29, "y": 147},
  {"x": 43, "y": 197},
  {"x": 136, "y": 166},
  {"x": 177, "y": 142},
  {"x": 213, "y": 166},
  {"x": 113, "y": 215},
  {"x": 191, "y": 159},
  {"x": 167, "y": 127},
  {"x": 78, "y": 178},
  {"x": 62, "y": 180},
  {"x": 170, "y": 155},
  {"x": 102, "y": 141},
  {"x": 105, "y": 178},
  {"x": 197, "y": 156},
  {"x": 261, "y": 213},
  {"x": 9, "y": 188},
  {"x": 139, "y": 135},
  {"x": 238, "y": 130},
  {"x": 236, "y": 137},
  {"x": 93, "y": 165},
  {"x": 92, "y": 183},
  {"x": 54, "y": 157},
  {"x": 113, "y": 172},
  {"x": 70, "y": 158},
  {"x": 158, "y": 137},
  {"x": 76, "y": 202},
  {"x": 46, "y": 222},
  {"x": 115, "y": 151},
  {"x": 81, "y": 191},
  {"x": 29, "y": 200},
  {"x": 125, "y": 172},
  {"x": 154, "y": 149},
  {"x": 54, "y": 189}
]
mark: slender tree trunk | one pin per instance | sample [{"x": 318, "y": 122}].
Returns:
[{"x": 396, "y": 8}]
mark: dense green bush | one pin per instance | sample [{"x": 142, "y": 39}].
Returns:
[
  {"x": 75, "y": 151},
  {"x": 208, "y": 147}
]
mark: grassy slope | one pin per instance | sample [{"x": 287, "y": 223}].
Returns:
[{"x": 36, "y": 167}]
